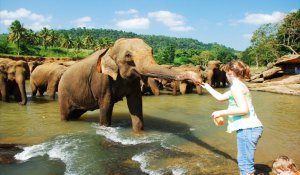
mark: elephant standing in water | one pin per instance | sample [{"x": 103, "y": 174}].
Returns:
[
  {"x": 216, "y": 74},
  {"x": 12, "y": 80},
  {"x": 46, "y": 78},
  {"x": 105, "y": 77}
]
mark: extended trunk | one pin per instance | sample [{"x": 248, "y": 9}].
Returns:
[{"x": 158, "y": 71}]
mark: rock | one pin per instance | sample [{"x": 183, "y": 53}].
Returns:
[
  {"x": 7, "y": 153},
  {"x": 282, "y": 85}
]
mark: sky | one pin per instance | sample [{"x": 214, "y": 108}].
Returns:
[{"x": 227, "y": 22}]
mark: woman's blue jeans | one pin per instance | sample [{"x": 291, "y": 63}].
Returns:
[{"x": 246, "y": 146}]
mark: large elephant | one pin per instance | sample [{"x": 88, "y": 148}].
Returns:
[
  {"x": 46, "y": 78},
  {"x": 105, "y": 77},
  {"x": 216, "y": 74},
  {"x": 14, "y": 83}
]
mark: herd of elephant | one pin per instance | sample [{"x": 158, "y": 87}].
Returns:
[{"x": 127, "y": 69}]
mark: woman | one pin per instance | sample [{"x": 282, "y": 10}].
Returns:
[{"x": 242, "y": 118}]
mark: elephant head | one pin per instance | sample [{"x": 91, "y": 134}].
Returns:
[
  {"x": 131, "y": 58},
  {"x": 16, "y": 73}
]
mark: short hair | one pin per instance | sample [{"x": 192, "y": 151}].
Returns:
[
  {"x": 284, "y": 163},
  {"x": 241, "y": 69}
]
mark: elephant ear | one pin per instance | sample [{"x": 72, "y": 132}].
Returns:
[{"x": 107, "y": 65}]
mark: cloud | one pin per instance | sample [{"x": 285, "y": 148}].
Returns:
[
  {"x": 128, "y": 12},
  {"x": 174, "y": 21},
  {"x": 82, "y": 22},
  {"x": 33, "y": 20},
  {"x": 135, "y": 23},
  {"x": 259, "y": 19}
]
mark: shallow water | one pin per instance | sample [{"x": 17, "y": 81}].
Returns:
[{"x": 179, "y": 137}]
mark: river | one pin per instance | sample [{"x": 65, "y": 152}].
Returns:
[{"x": 179, "y": 137}]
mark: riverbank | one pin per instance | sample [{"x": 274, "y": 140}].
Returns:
[{"x": 287, "y": 84}]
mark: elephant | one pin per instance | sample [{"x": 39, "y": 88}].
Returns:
[
  {"x": 13, "y": 78},
  {"x": 184, "y": 86},
  {"x": 33, "y": 64},
  {"x": 215, "y": 74},
  {"x": 108, "y": 75},
  {"x": 150, "y": 86},
  {"x": 3, "y": 82},
  {"x": 46, "y": 78}
]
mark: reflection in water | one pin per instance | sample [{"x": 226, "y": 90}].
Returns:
[{"x": 179, "y": 137}]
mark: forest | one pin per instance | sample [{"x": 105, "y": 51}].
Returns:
[{"x": 269, "y": 42}]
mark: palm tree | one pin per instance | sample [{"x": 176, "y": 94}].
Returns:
[
  {"x": 52, "y": 38},
  {"x": 44, "y": 34},
  {"x": 88, "y": 40},
  {"x": 66, "y": 41},
  {"x": 78, "y": 44},
  {"x": 31, "y": 38},
  {"x": 16, "y": 33},
  {"x": 103, "y": 43}
]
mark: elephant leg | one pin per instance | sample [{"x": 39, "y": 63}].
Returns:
[
  {"x": 175, "y": 87},
  {"x": 183, "y": 88},
  {"x": 33, "y": 88},
  {"x": 64, "y": 108},
  {"x": 154, "y": 86},
  {"x": 134, "y": 103},
  {"x": 51, "y": 89},
  {"x": 106, "y": 107},
  {"x": 199, "y": 89},
  {"x": 67, "y": 112},
  {"x": 3, "y": 92}
]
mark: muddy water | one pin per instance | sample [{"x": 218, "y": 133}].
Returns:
[{"x": 179, "y": 137}]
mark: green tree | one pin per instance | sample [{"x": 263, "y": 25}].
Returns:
[
  {"x": 103, "y": 43},
  {"x": 66, "y": 41},
  {"x": 78, "y": 44},
  {"x": 31, "y": 38},
  {"x": 289, "y": 32},
  {"x": 264, "y": 47},
  {"x": 44, "y": 34},
  {"x": 52, "y": 38},
  {"x": 202, "y": 58},
  {"x": 16, "y": 33},
  {"x": 88, "y": 40}
]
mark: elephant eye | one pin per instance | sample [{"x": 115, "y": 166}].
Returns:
[{"x": 128, "y": 57}]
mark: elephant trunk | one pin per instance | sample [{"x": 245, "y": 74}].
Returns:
[
  {"x": 158, "y": 71},
  {"x": 21, "y": 86}
]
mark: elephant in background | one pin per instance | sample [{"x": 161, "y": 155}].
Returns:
[
  {"x": 13, "y": 76},
  {"x": 46, "y": 78},
  {"x": 105, "y": 77},
  {"x": 215, "y": 74},
  {"x": 33, "y": 64},
  {"x": 3, "y": 83},
  {"x": 150, "y": 86},
  {"x": 184, "y": 86}
]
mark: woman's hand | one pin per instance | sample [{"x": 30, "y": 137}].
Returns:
[
  {"x": 204, "y": 85},
  {"x": 216, "y": 114}
]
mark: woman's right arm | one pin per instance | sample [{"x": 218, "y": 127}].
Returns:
[{"x": 216, "y": 94}]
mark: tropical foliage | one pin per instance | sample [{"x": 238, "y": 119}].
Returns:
[
  {"x": 81, "y": 42},
  {"x": 271, "y": 41}
]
